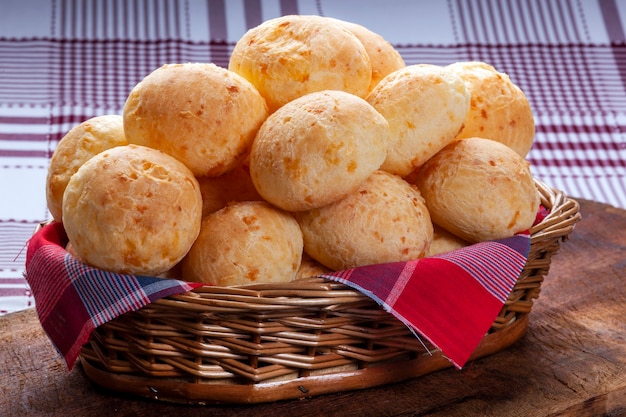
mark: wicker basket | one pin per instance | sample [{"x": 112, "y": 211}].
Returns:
[{"x": 268, "y": 342}]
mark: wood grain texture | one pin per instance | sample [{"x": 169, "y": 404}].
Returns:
[{"x": 572, "y": 361}]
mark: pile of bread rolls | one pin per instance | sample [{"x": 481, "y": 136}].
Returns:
[{"x": 317, "y": 149}]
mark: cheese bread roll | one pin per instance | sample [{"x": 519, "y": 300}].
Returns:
[
  {"x": 479, "y": 189},
  {"x": 132, "y": 209},
  {"x": 384, "y": 58},
  {"x": 290, "y": 56},
  {"x": 235, "y": 185},
  {"x": 201, "y": 114},
  {"x": 317, "y": 149},
  {"x": 384, "y": 220},
  {"x": 425, "y": 106},
  {"x": 82, "y": 142},
  {"x": 499, "y": 109},
  {"x": 245, "y": 242},
  {"x": 444, "y": 241}
]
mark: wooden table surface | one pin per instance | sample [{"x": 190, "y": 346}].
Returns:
[{"x": 571, "y": 362}]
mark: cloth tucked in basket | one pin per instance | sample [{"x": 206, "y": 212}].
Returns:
[
  {"x": 72, "y": 299},
  {"x": 451, "y": 299}
]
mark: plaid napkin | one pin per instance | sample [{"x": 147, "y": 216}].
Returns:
[
  {"x": 451, "y": 299},
  {"x": 72, "y": 299}
]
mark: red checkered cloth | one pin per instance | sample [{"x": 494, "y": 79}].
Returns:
[
  {"x": 72, "y": 299},
  {"x": 451, "y": 299}
]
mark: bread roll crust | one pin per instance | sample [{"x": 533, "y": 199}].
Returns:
[
  {"x": 384, "y": 58},
  {"x": 479, "y": 190},
  {"x": 235, "y": 185},
  {"x": 499, "y": 109},
  {"x": 203, "y": 115},
  {"x": 243, "y": 243},
  {"x": 132, "y": 209},
  {"x": 290, "y": 56},
  {"x": 317, "y": 149},
  {"x": 444, "y": 241},
  {"x": 82, "y": 142},
  {"x": 384, "y": 220},
  {"x": 425, "y": 106},
  {"x": 309, "y": 268}
]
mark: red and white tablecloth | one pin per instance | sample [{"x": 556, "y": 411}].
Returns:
[{"x": 63, "y": 61}]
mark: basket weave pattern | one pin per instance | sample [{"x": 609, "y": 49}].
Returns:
[{"x": 259, "y": 335}]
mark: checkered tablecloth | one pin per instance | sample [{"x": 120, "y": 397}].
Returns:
[{"x": 63, "y": 61}]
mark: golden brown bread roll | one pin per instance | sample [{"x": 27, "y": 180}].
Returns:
[
  {"x": 235, "y": 185},
  {"x": 479, "y": 189},
  {"x": 384, "y": 58},
  {"x": 290, "y": 56},
  {"x": 384, "y": 220},
  {"x": 309, "y": 267},
  {"x": 317, "y": 149},
  {"x": 499, "y": 109},
  {"x": 132, "y": 209},
  {"x": 201, "y": 114},
  {"x": 444, "y": 241},
  {"x": 425, "y": 106},
  {"x": 70, "y": 249},
  {"x": 245, "y": 242},
  {"x": 79, "y": 144}
]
